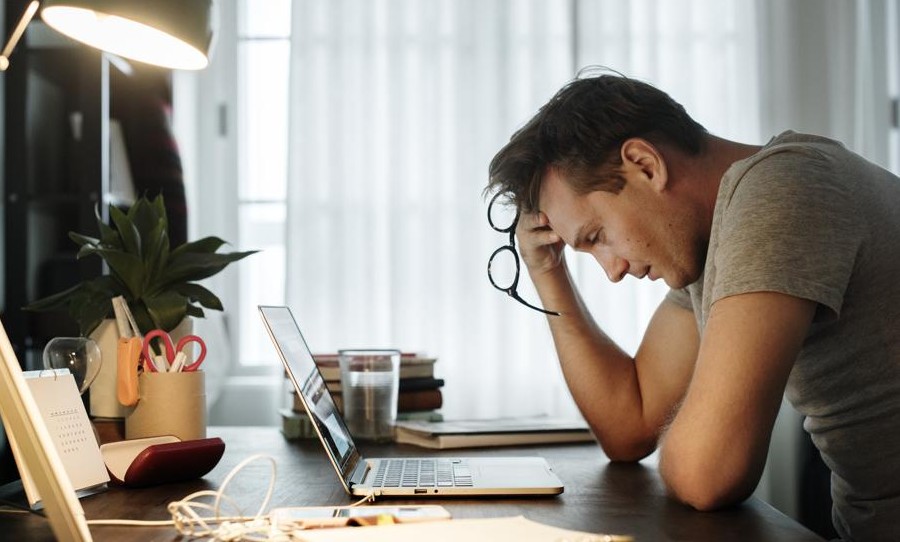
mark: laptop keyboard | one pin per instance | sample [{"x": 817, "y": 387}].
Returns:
[{"x": 422, "y": 473}]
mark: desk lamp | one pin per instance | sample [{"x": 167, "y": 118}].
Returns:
[{"x": 173, "y": 34}]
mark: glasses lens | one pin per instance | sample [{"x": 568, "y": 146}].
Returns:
[
  {"x": 503, "y": 267},
  {"x": 502, "y": 212}
]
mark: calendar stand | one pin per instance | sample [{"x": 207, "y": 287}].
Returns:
[{"x": 66, "y": 419}]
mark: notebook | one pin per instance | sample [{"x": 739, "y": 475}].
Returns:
[
  {"x": 435, "y": 476},
  {"x": 22, "y": 418}
]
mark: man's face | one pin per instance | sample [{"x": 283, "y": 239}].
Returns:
[{"x": 643, "y": 231}]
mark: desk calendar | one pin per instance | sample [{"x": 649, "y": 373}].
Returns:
[{"x": 66, "y": 419}]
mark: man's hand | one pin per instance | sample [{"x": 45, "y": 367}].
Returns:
[{"x": 540, "y": 247}]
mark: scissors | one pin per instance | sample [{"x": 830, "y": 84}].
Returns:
[{"x": 175, "y": 357}]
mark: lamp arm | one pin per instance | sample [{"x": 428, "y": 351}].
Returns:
[{"x": 17, "y": 33}]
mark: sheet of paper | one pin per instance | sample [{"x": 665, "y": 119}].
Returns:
[{"x": 516, "y": 528}]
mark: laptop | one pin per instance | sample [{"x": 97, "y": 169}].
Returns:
[
  {"x": 22, "y": 418},
  {"x": 436, "y": 476}
]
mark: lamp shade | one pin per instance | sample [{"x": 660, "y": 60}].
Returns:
[{"x": 174, "y": 34}]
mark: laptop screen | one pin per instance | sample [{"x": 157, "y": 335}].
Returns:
[{"x": 308, "y": 382}]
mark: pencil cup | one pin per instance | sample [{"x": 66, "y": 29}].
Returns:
[
  {"x": 169, "y": 404},
  {"x": 369, "y": 387}
]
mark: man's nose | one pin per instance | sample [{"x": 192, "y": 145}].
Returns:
[{"x": 616, "y": 268}]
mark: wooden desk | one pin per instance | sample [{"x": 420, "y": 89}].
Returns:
[{"x": 599, "y": 496}]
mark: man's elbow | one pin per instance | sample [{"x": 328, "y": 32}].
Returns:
[
  {"x": 703, "y": 486},
  {"x": 706, "y": 497},
  {"x": 627, "y": 451}
]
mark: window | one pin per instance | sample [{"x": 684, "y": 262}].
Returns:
[
  {"x": 379, "y": 151},
  {"x": 263, "y": 47}
]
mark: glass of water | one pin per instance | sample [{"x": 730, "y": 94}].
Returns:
[{"x": 369, "y": 386}]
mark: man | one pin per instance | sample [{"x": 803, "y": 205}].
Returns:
[{"x": 785, "y": 276}]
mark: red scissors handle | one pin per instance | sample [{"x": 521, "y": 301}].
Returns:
[
  {"x": 167, "y": 345},
  {"x": 187, "y": 339}
]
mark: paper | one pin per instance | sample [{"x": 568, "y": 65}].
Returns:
[{"x": 519, "y": 529}]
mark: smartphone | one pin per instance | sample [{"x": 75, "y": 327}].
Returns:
[{"x": 316, "y": 517}]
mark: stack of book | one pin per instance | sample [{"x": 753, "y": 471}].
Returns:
[
  {"x": 493, "y": 432},
  {"x": 419, "y": 396}
]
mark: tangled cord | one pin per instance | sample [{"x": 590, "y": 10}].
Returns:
[{"x": 189, "y": 521}]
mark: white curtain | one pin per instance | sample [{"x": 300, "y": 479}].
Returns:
[
  {"x": 830, "y": 68},
  {"x": 398, "y": 107}
]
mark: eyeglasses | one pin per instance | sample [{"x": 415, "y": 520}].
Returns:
[{"x": 503, "y": 266}]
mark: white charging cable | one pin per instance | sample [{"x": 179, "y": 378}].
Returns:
[
  {"x": 195, "y": 518},
  {"x": 188, "y": 520}
]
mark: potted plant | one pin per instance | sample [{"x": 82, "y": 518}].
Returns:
[{"x": 159, "y": 282}]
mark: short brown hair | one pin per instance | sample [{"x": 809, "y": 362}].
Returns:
[{"x": 580, "y": 131}]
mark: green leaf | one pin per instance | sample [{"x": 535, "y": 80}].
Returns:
[
  {"x": 55, "y": 301},
  {"x": 147, "y": 215},
  {"x": 126, "y": 267},
  {"x": 142, "y": 317},
  {"x": 189, "y": 267},
  {"x": 108, "y": 235},
  {"x": 199, "y": 294},
  {"x": 207, "y": 245},
  {"x": 90, "y": 312},
  {"x": 156, "y": 256},
  {"x": 131, "y": 239},
  {"x": 167, "y": 309},
  {"x": 93, "y": 302},
  {"x": 83, "y": 240}
]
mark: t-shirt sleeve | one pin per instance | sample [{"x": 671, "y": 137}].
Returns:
[{"x": 791, "y": 227}]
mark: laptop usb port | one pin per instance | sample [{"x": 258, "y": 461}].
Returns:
[{"x": 419, "y": 491}]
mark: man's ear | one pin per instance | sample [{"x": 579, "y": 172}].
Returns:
[{"x": 642, "y": 157}]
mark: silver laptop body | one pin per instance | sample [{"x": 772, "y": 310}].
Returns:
[{"x": 411, "y": 476}]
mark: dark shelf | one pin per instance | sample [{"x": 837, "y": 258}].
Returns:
[{"x": 56, "y": 118}]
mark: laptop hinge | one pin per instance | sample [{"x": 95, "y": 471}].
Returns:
[{"x": 359, "y": 473}]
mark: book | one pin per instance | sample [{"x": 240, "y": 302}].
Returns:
[
  {"x": 406, "y": 401},
  {"x": 411, "y": 366},
  {"x": 406, "y": 384},
  {"x": 296, "y": 425},
  {"x": 419, "y": 400},
  {"x": 492, "y": 432},
  {"x": 422, "y": 415},
  {"x": 420, "y": 383}
]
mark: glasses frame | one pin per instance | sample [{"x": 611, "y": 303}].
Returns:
[{"x": 512, "y": 290}]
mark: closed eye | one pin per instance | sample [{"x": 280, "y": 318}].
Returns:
[
  {"x": 587, "y": 237},
  {"x": 598, "y": 237}
]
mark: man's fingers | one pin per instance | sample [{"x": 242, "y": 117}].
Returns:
[
  {"x": 544, "y": 237},
  {"x": 534, "y": 221}
]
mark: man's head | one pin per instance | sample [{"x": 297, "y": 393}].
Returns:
[
  {"x": 580, "y": 131},
  {"x": 599, "y": 161}
]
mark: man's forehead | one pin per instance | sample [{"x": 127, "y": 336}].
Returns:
[
  {"x": 567, "y": 212},
  {"x": 555, "y": 190}
]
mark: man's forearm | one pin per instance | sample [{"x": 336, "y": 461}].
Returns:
[{"x": 602, "y": 378}]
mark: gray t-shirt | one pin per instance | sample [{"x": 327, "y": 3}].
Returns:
[{"x": 808, "y": 218}]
